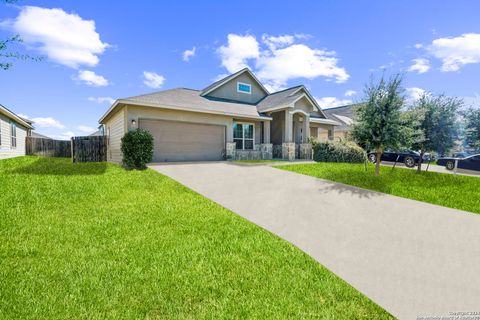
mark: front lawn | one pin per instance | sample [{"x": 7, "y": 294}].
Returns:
[
  {"x": 459, "y": 192},
  {"x": 93, "y": 241}
]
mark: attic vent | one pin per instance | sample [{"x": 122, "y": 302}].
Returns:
[{"x": 244, "y": 87}]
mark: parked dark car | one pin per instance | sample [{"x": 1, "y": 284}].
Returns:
[
  {"x": 469, "y": 163},
  {"x": 409, "y": 158},
  {"x": 460, "y": 155}
]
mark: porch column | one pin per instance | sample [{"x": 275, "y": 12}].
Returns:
[
  {"x": 266, "y": 131},
  {"x": 306, "y": 129},
  {"x": 288, "y": 134}
]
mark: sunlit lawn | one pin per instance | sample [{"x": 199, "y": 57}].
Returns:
[
  {"x": 454, "y": 191},
  {"x": 94, "y": 241}
]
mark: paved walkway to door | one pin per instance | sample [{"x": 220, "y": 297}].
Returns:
[{"x": 412, "y": 258}]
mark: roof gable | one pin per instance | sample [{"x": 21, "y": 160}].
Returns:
[
  {"x": 226, "y": 88},
  {"x": 11, "y": 115}
]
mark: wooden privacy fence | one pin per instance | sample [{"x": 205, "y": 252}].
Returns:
[
  {"x": 48, "y": 147},
  {"x": 89, "y": 149}
]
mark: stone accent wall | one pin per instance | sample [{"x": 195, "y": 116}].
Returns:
[
  {"x": 277, "y": 151},
  {"x": 248, "y": 155},
  {"x": 231, "y": 151},
  {"x": 305, "y": 151},
  {"x": 288, "y": 151},
  {"x": 266, "y": 150}
]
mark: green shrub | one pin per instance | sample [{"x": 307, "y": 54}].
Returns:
[
  {"x": 137, "y": 149},
  {"x": 338, "y": 151}
]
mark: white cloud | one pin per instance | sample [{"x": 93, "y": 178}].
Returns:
[
  {"x": 280, "y": 59},
  {"x": 187, "y": 54},
  {"x": 456, "y": 52},
  {"x": 101, "y": 100},
  {"x": 330, "y": 102},
  {"x": 153, "y": 80},
  {"x": 47, "y": 122},
  {"x": 350, "y": 93},
  {"x": 420, "y": 65},
  {"x": 86, "y": 129},
  {"x": 274, "y": 42},
  {"x": 24, "y": 116},
  {"x": 239, "y": 49},
  {"x": 299, "y": 61},
  {"x": 414, "y": 93},
  {"x": 64, "y": 136},
  {"x": 418, "y": 45},
  {"x": 91, "y": 78},
  {"x": 63, "y": 37}
]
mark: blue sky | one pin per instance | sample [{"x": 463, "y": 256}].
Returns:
[{"x": 96, "y": 51}]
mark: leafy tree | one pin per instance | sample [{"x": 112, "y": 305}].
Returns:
[
  {"x": 435, "y": 124},
  {"x": 379, "y": 122},
  {"x": 472, "y": 127}
]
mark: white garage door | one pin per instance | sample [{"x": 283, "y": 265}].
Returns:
[{"x": 185, "y": 141}]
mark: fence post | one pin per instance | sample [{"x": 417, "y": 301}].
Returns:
[{"x": 72, "y": 149}]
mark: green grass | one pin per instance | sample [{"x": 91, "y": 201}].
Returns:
[
  {"x": 94, "y": 241},
  {"x": 258, "y": 161},
  {"x": 459, "y": 192}
]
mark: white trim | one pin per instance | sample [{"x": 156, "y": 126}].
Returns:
[
  {"x": 310, "y": 97},
  {"x": 243, "y": 134},
  {"x": 9, "y": 114},
  {"x": 300, "y": 111},
  {"x": 324, "y": 121},
  {"x": 244, "y": 84},
  {"x": 233, "y": 76},
  {"x": 142, "y": 104}
]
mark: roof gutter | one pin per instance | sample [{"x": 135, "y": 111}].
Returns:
[
  {"x": 128, "y": 102},
  {"x": 325, "y": 121},
  {"x": 13, "y": 116}
]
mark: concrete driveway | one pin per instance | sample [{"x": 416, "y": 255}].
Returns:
[{"x": 412, "y": 258}]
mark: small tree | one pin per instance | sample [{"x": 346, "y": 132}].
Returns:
[
  {"x": 472, "y": 127},
  {"x": 379, "y": 123},
  {"x": 137, "y": 149},
  {"x": 437, "y": 123}
]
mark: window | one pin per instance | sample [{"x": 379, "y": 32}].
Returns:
[
  {"x": 330, "y": 134},
  {"x": 243, "y": 135},
  {"x": 14, "y": 134},
  {"x": 244, "y": 87}
]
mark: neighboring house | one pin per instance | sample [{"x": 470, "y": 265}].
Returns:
[
  {"x": 96, "y": 133},
  {"x": 345, "y": 115},
  {"x": 13, "y": 131},
  {"x": 35, "y": 134},
  {"x": 233, "y": 118}
]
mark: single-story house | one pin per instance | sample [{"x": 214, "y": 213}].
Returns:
[
  {"x": 345, "y": 116},
  {"x": 233, "y": 118},
  {"x": 13, "y": 131}
]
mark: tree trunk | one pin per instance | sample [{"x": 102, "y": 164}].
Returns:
[
  {"x": 377, "y": 163},
  {"x": 419, "y": 169}
]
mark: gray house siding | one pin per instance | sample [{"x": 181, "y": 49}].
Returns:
[
  {"x": 6, "y": 148},
  {"x": 229, "y": 90}
]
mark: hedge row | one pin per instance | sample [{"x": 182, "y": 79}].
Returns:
[{"x": 338, "y": 151}]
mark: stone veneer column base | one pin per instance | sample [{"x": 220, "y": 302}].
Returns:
[
  {"x": 288, "y": 151},
  {"x": 266, "y": 150},
  {"x": 306, "y": 151},
  {"x": 231, "y": 150}
]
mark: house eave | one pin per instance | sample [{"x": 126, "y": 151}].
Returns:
[
  {"x": 178, "y": 108},
  {"x": 325, "y": 121},
  {"x": 13, "y": 116}
]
